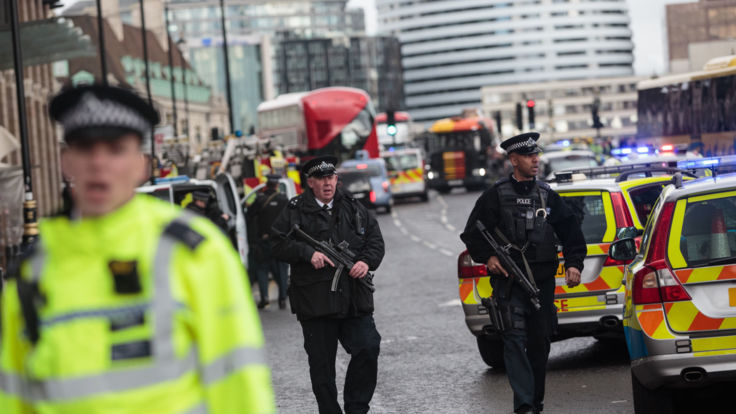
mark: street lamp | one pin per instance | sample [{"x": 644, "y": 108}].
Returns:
[
  {"x": 171, "y": 71},
  {"x": 30, "y": 212},
  {"x": 101, "y": 41},
  {"x": 227, "y": 65},
  {"x": 182, "y": 43}
]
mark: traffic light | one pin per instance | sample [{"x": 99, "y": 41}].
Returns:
[
  {"x": 519, "y": 117},
  {"x": 530, "y": 112},
  {"x": 497, "y": 117},
  {"x": 391, "y": 123}
]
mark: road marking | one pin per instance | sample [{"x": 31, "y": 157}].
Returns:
[
  {"x": 415, "y": 238},
  {"x": 450, "y": 303},
  {"x": 404, "y": 231},
  {"x": 619, "y": 401},
  {"x": 430, "y": 245},
  {"x": 397, "y": 223},
  {"x": 446, "y": 252},
  {"x": 451, "y": 228}
]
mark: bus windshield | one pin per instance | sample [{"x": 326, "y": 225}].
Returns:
[{"x": 462, "y": 140}]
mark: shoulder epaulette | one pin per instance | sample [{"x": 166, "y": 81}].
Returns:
[
  {"x": 543, "y": 185},
  {"x": 184, "y": 233},
  {"x": 294, "y": 202},
  {"x": 501, "y": 181}
]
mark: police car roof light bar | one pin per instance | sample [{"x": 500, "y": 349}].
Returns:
[{"x": 616, "y": 169}]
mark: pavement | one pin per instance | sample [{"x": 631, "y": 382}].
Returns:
[{"x": 429, "y": 361}]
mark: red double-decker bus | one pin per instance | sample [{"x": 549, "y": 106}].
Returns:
[{"x": 335, "y": 121}]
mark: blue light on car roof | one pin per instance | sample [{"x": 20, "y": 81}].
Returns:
[
  {"x": 177, "y": 179},
  {"x": 699, "y": 163}
]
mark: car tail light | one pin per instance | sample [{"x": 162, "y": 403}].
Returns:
[
  {"x": 467, "y": 268},
  {"x": 655, "y": 282},
  {"x": 620, "y": 212},
  {"x": 384, "y": 185},
  {"x": 373, "y": 196}
]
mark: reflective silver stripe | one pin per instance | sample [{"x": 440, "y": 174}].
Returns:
[
  {"x": 164, "y": 304},
  {"x": 198, "y": 409},
  {"x": 96, "y": 313},
  {"x": 110, "y": 381},
  {"x": 11, "y": 384},
  {"x": 230, "y": 362}
]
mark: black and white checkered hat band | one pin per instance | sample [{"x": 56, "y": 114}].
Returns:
[
  {"x": 528, "y": 143},
  {"x": 93, "y": 112},
  {"x": 323, "y": 166}
]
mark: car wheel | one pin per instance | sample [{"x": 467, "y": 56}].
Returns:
[
  {"x": 424, "y": 196},
  {"x": 491, "y": 350},
  {"x": 650, "y": 401}
]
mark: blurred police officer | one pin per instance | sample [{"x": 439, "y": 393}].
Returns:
[
  {"x": 326, "y": 212},
  {"x": 261, "y": 215},
  {"x": 526, "y": 213},
  {"x": 204, "y": 204},
  {"x": 127, "y": 304}
]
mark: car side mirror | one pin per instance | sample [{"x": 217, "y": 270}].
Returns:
[
  {"x": 623, "y": 250},
  {"x": 628, "y": 232}
]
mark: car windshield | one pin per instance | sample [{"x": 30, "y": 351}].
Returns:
[
  {"x": 355, "y": 182},
  {"x": 644, "y": 199},
  {"x": 708, "y": 231},
  {"x": 571, "y": 162},
  {"x": 592, "y": 215},
  {"x": 402, "y": 162}
]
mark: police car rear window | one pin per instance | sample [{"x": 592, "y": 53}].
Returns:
[
  {"x": 402, "y": 162},
  {"x": 592, "y": 215},
  {"x": 355, "y": 182},
  {"x": 708, "y": 231},
  {"x": 372, "y": 169},
  {"x": 644, "y": 199}
]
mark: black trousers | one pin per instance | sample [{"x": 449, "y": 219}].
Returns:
[
  {"x": 527, "y": 338},
  {"x": 359, "y": 337}
]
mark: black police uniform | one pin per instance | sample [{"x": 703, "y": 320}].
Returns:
[
  {"x": 326, "y": 317},
  {"x": 261, "y": 216},
  {"x": 509, "y": 208},
  {"x": 211, "y": 209}
]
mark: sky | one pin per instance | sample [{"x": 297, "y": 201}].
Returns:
[{"x": 647, "y": 23}]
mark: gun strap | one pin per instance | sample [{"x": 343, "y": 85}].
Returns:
[{"x": 521, "y": 250}]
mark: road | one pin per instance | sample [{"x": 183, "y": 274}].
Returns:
[{"x": 429, "y": 361}]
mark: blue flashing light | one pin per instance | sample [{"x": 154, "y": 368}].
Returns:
[
  {"x": 167, "y": 180},
  {"x": 564, "y": 142},
  {"x": 642, "y": 150},
  {"x": 699, "y": 163},
  {"x": 391, "y": 149}
]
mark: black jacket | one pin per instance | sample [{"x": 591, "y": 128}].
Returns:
[
  {"x": 561, "y": 217},
  {"x": 309, "y": 288}
]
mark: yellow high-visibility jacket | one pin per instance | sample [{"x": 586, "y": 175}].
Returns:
[{"x": 144, "y": 310}]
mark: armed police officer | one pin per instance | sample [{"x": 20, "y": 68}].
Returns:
[
  {"x": 127, "y": 304},
  {"x": 526, "y": 214},
  {"x": 345, "y": 313}
]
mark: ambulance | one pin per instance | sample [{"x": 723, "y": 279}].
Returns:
[{"x": 406, "y": 173}]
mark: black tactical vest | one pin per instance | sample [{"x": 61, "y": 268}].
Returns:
[{"x": 524, "y": 221}]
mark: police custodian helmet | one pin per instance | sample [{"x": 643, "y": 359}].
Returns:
[
  {"x": 320, "y": 166},
  {"x": 93, "y": 112},
  {"x": 523, "y": 144}
]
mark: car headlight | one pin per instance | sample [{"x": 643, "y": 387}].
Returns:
[
  {"x": 479, "y": 172},
  {"x": 430, "y": 175}
]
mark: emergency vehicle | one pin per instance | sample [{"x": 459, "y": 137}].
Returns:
[
  {"x": 605, "y": 200},
  {"x": 406, "y": 173},
  {"x": 680, "y": 303}
]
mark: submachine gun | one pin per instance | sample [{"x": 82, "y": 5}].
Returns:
[
  {"x": 515, "y": 273},
  {"x": 338, "y": 253}
]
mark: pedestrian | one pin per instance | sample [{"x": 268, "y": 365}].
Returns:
[
  {"x": 327, "y": 213},
  {"x": 261, "y": 215},
  {"x": 526, "y": 214},
  {"x": 128, "y": 304},
  {"x": 205, "y": 205},
  {"x": 695, "y": 150}
]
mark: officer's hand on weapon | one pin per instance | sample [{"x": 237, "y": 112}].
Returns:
[
  {"x": 572, "y": 277},
  {"x": 359, "y": 270},
  {"x": 319, "y": 259},
  {"x": 494, "y": 266}
]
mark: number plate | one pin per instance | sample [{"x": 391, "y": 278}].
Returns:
[
  {"x": 455, "y": 182},
  {"x": 358, "y": 195},
  {"x": 732, "y": 297}
]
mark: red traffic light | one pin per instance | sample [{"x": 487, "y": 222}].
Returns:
[{"x": 530, "y": 103}]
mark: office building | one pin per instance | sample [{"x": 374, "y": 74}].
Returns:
[{"x": 451, "y": 48}]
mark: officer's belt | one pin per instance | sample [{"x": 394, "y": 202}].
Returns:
[{"x": 165, "y": 367}]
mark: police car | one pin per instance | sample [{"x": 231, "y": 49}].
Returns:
[
  {"x": 622, "y": 200},
  {"x": 680, "y": 301},
  {"x": 178, "y": 190},
  {"x": 406, "y": 173}
]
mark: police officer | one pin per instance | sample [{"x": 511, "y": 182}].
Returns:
[
  {"x": 127, "y": 304},
  {"x": 526, "y": 213},
  {"x": 261, "y": 216},
  {"x": 326, "y": 212},
  {"x": 204, "y": 204}
]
